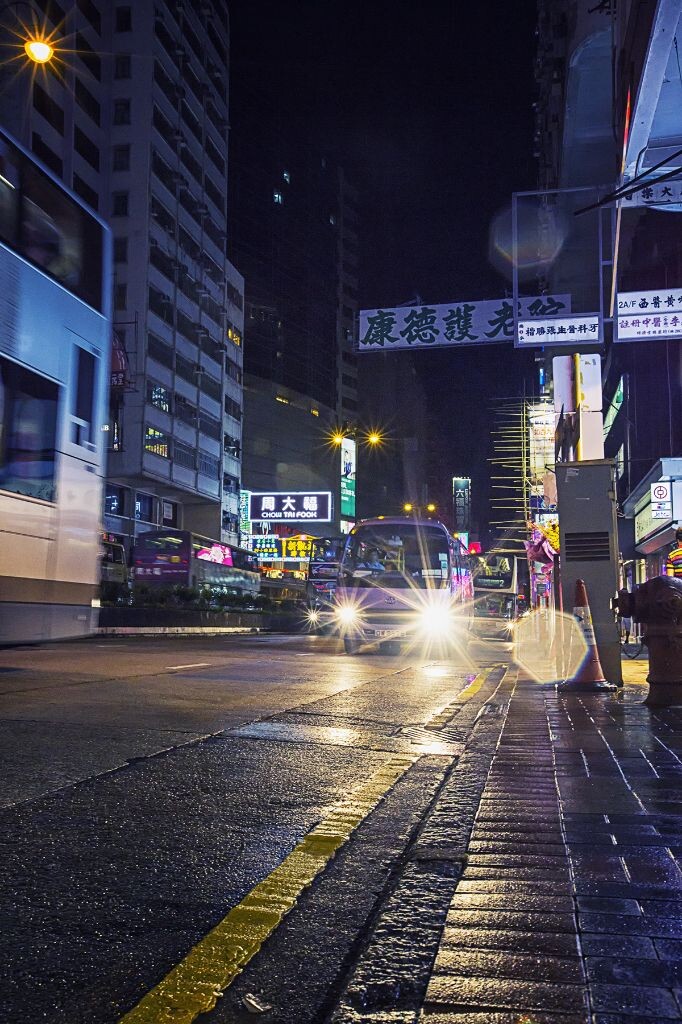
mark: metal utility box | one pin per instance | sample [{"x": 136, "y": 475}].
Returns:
[{"x": 589, "y": 549}]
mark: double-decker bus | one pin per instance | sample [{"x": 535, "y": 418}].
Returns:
[
  {"x": 402, "y": 579},
  {"x": 501, "y": 593},
  {"x": 55, "y": 284},
  {"x": 180, "y": 558}
]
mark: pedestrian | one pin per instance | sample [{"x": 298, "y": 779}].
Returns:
[
  {"x": 626, "y": 624},
  {"x": 673, "y": 567}
]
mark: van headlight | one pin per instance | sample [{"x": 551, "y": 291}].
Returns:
[
  {"x": 347, "y": 615},
  {"x": 436, "y": 620}
]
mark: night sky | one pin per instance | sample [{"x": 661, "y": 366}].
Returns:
[{"x": 428, "y": 108}]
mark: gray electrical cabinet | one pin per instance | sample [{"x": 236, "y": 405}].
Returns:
[{"x": 589, "y": 549}]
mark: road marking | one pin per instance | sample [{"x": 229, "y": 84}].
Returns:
[
  {"x": 197, "y": 982},
  {"x": 444, "y": 716},
  {"x": 196, "y": 664}
]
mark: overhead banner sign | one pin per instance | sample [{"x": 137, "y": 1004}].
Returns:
[
  {"x": 452, "y": 324},
  {"x": 649, "y": 314},
  {"x": 281, "y": 506}
]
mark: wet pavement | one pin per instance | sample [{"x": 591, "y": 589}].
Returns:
[{"x": 518, "y": 861}]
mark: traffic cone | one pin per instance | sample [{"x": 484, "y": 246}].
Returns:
[{"x": 590, "y": 676}]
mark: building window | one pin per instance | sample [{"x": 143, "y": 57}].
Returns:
[
  {"x": 114, "y": 501},
  {"x": 156, "y": 442},
  {"x": 233, "y": 408},
  {"x": 277, "y": 197},
  {"x": 158, "y": 396},
  {"x": 120, "y": 296},
  {"x": 121, "y": 111},
  {"x": 48, "y": 156},
  {"x": 28, "y": 425},
  {"x": 119, "y": 206},
  {"x": 47, "y": 107},
  {"x": 122, "y": 65},
  {"x": 85, "y": 192},
  {"x": 86, "y": 147},
  {"x": 144, "y": 507},
  {"x": 90, "y": 59},
  {"x": 83, "y": 410},
  {"x": 87, "y": 102},
  {"x": 209, "y": 465},
  {"x": 124, "y": 19},
  {"x": 87, "y": 8},
  {"x": 120, "y": 250},
  {"x": 121, "y": 158}
]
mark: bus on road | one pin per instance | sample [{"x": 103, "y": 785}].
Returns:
[
  {"x": 402, "y": 580},
  {"x": 55, "y": 285},
  {"x": 501, "y": 593},
  {"x": 180, "y": 558}
]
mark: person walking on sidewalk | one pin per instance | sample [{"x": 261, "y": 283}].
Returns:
[
  {"x": 673, "y": 567},
  {"x": 626, "y": 623}
]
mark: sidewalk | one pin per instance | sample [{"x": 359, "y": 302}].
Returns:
[{"x": 569, "y": 910}]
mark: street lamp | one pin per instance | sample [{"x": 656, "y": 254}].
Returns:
[{"x": 35, "y": 42}]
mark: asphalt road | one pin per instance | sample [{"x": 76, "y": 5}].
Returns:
[{"x": 148, "y": 785}]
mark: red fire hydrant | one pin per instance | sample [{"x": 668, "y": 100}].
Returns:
[{"x": 658, "y": 605}]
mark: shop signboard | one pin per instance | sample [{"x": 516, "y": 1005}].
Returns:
[
  {"x": 348, "y": 467},
  {"x": 662, "y": 500},
  {"x": 461, "y": 503},
  {"x": 649, "y": 314},
  {"x": 269, "y": 547},
  {"x": 244, "y": 521},
  {"x": 286, "y": 506},
  {"x": 578, "y": 329},
  {"x": 452, "y": 324}
]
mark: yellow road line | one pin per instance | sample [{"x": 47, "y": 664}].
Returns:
[
  {"x": 198, "y": 981},
  {"x": 444, "y": 716}
]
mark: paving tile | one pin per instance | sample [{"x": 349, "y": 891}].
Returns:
[
  {"x": 669, "y": 949},
  {"x": 619, "y": 946},
  {"x": 511, "y": 919},
  {"x": 656, "y": 1002},
  {"x": 514, "y": 885},
  {"x": 621, "y": 1018},
  {"x": 438, "y": 1016},
  {"x": 548, "y": 904},
  {"x": 662, "y": 908},
  {"x": 561, "y": 944},
  {"x": 497, "y": 964},
  {"x": 498, "y": 993},
  {"x": 521, "y": 860},
  {"x": 619, "y": 970},
  {"x": 560, "y": 876},
  {"x": 655, "y": 927},
  {"x": 608, "y": 905},
  {"x": 524, "y": 849}
]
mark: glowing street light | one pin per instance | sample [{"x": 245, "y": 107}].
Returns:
[
  {"x": 374, "y": 438},
  {"x": 39, "y": 50}
]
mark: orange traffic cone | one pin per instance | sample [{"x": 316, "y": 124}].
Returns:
[{"x": 590, "y": 676}]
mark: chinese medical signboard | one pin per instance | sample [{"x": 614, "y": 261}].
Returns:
[
  {"x": 348, "y": 477},
  {"x": 281, "y": 506},
  {"x": 451, "y": 324},
  {"x": 282, "y": 549},
  {"x": 561, "y": 330},
  {"x": 649, "y": 314}
]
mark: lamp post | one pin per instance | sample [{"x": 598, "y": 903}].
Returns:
[{"x": 345, "y": 437}]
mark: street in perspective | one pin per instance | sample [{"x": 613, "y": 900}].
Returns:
[{"x": 340, "y": 512}]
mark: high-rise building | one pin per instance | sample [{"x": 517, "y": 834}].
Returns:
[
  {"x": 294, "y": 234},
  {"x": 133, "y": 115}
]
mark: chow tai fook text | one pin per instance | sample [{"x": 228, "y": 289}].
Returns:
[{"x": 313, "y": 506}]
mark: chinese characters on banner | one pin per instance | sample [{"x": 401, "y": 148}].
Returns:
[
  {"x": 282, "y": 549},
  {"x": 452, "y": 324},
  {"x": 664, "y": 193},
  {"x": 650, "y": 314},
  {"x": 570, "y": 330},
  {"x": 314, "y": 506}
]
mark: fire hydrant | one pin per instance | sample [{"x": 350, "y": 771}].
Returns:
[{"x": 658, "y": 605}]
